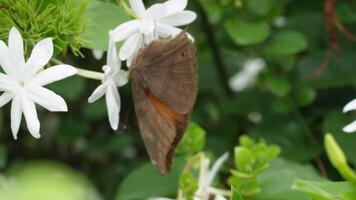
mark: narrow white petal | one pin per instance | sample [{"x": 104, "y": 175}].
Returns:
[
  {"x": 350, "y": 106},
  {"x": 113, "y": 104},
  {"x": 40, "y": 56},
  {"x": 30, "y": 113},
  {"x": 125, "y": 30},
  {"x": 5, "y": 98},
  {"x": 156, "y": 11},
  {"x": 98, "y": 93},
  {"x": 113, "y": 58},
  {"x": 174, "y": 6},
  {"x": 130, "y": 60},
  {"x": 219, "y": 197},
  {"x": 216, "y": 167},
  {"x": 204, "y": 167},
  {"x": 140, "y": 44},
  {"x": 350, "y": 128},
  {"x": 121, "y": 78},
  {"x": 165, "y": 31},
  {"x": 138, "y": 7},
  {"x": 16, "y": 115},
  {"x": 7, "y": 83},
  {"x": 16, "y": 47},
  {"x": 54, "y": 74},
  {"x": 149, "y": 38},
  {"x": 130, "y": 45},
  {"x": 179, "y": 19},
  {"x": 46, "y": 98},
  {"x": 147, "y": 26},
  {"x": 5, "y": 59}
]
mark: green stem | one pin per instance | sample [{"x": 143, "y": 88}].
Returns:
[
  {"x": 83, "y": 72},
  {"x": 347, "y": 173},
  {"x": 306, "y": 129}
]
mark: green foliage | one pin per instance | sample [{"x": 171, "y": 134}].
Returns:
[
  {"x": 235, "y": 194},
  {"x": 61, "y": 20},
  {"x": 188, "y": 184},
  {"x": 251, "y": 160},
  {"x": 192, "y": 141}
]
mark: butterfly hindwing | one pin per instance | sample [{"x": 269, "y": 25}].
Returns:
[{"x": 164, "y": 78}]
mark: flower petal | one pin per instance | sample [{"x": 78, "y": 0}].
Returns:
[
  {"x": 40, "y": 56},
  {"x": 5, "y": 60},
  {"x": 156, "y": 11},
  {"x": 350, "y": 128},
  {"x": 131, "y": 45},
  {"x": 54, "y": 74},
  {"x": 7, "y": 83},
  {"x": 30, "y": 113},
  {"x": 216, "y": 167},
  {"x": 5, "y": 98},
  {"x": 16, "y": 115},
  {"x": 46, "y": 98},
  {"x": 179, "y": 19},
  {"x": 98, "y": 93},
  {"x": 121, "y": 78},
  {"x": 113, "y": 104},
  {"x": 112, "y": 58},
  {"x": 165, "y": 31},
  {"x": 125, "y": 30},
  {"x": 174, "y": 6},
  {"x": 16, "y": 47},
  {"x": 138, "y": 7},
  {"x": 350, "y": 106}
]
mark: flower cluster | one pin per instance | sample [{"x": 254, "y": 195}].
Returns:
[{"x": 22, "y": 81}]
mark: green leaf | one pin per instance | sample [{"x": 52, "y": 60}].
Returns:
[
  {"x": 286, "y": 43},
  {"x": 259, "y": 7},
  {"x": 325, "y": 190},
  {"x": 193, "y": 140},
  {"x": 305, "y": 96},
  {"x": 145, "y": 182},
  {"x": 188, "y": 184},
  {"x": 244, "y": 159},
  {"x": 276, "y": 181},
  {"x": 278, "y": 85},
  {"x": 246, "y": 33},
  {"x": 235, "y": 194},
  {"x": 103, "y": 18}
]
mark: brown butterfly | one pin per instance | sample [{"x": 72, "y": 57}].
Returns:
[{"x": 164, "y": 86}]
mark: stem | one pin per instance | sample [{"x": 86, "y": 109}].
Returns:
[
  {"x": 187, "y": 168},
  {"x": 126, "y": 8},
  {"x": 83, "y": 72},
  {"x": 216, "y": 191},
  {"x": 307, "y": 131},
  {"x": 219, "y": 64}
]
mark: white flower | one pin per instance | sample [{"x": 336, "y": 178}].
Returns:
[
  {"x": 158, "y": 21},
  {"x": 23, "y": 82},
  {"x": 248, "y": 75},
  {"x": 206, "y": 178},
  {"x": 351, "y": 127},
  {"x": 113, "y": 77}
]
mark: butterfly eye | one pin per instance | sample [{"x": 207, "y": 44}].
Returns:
[{"x": 182, "y": 54}]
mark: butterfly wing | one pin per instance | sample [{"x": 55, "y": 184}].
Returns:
[{"x": 164, "y": 83}]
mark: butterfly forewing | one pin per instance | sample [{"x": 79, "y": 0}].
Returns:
[{"x": 164, "y": 78}]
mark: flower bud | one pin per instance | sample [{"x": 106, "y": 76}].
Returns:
[{"x": 335, "y": 153}]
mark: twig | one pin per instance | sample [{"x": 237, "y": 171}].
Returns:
[{"x": 219, "y": 64}]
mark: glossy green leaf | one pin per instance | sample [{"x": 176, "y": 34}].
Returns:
[
  {"x": 286, "y": 43},
  {"x": 246, "y": 33}
]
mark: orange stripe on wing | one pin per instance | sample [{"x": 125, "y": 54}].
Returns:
[{"x": 165, "y": 110}]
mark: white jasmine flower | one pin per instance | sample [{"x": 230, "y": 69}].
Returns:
[
  {"x": 248, "y": 75},
  {"x": 113, "y": 77},
  {"x": 23, "y": 82},
  {"x": 206, "y": 177},
  {"x": 351, "y": 127},
  {"x": 158, "y": 21},
  {"x": 98, "y": 54}
]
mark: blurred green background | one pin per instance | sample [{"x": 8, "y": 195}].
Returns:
[{"x": 309, "y": 75}]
